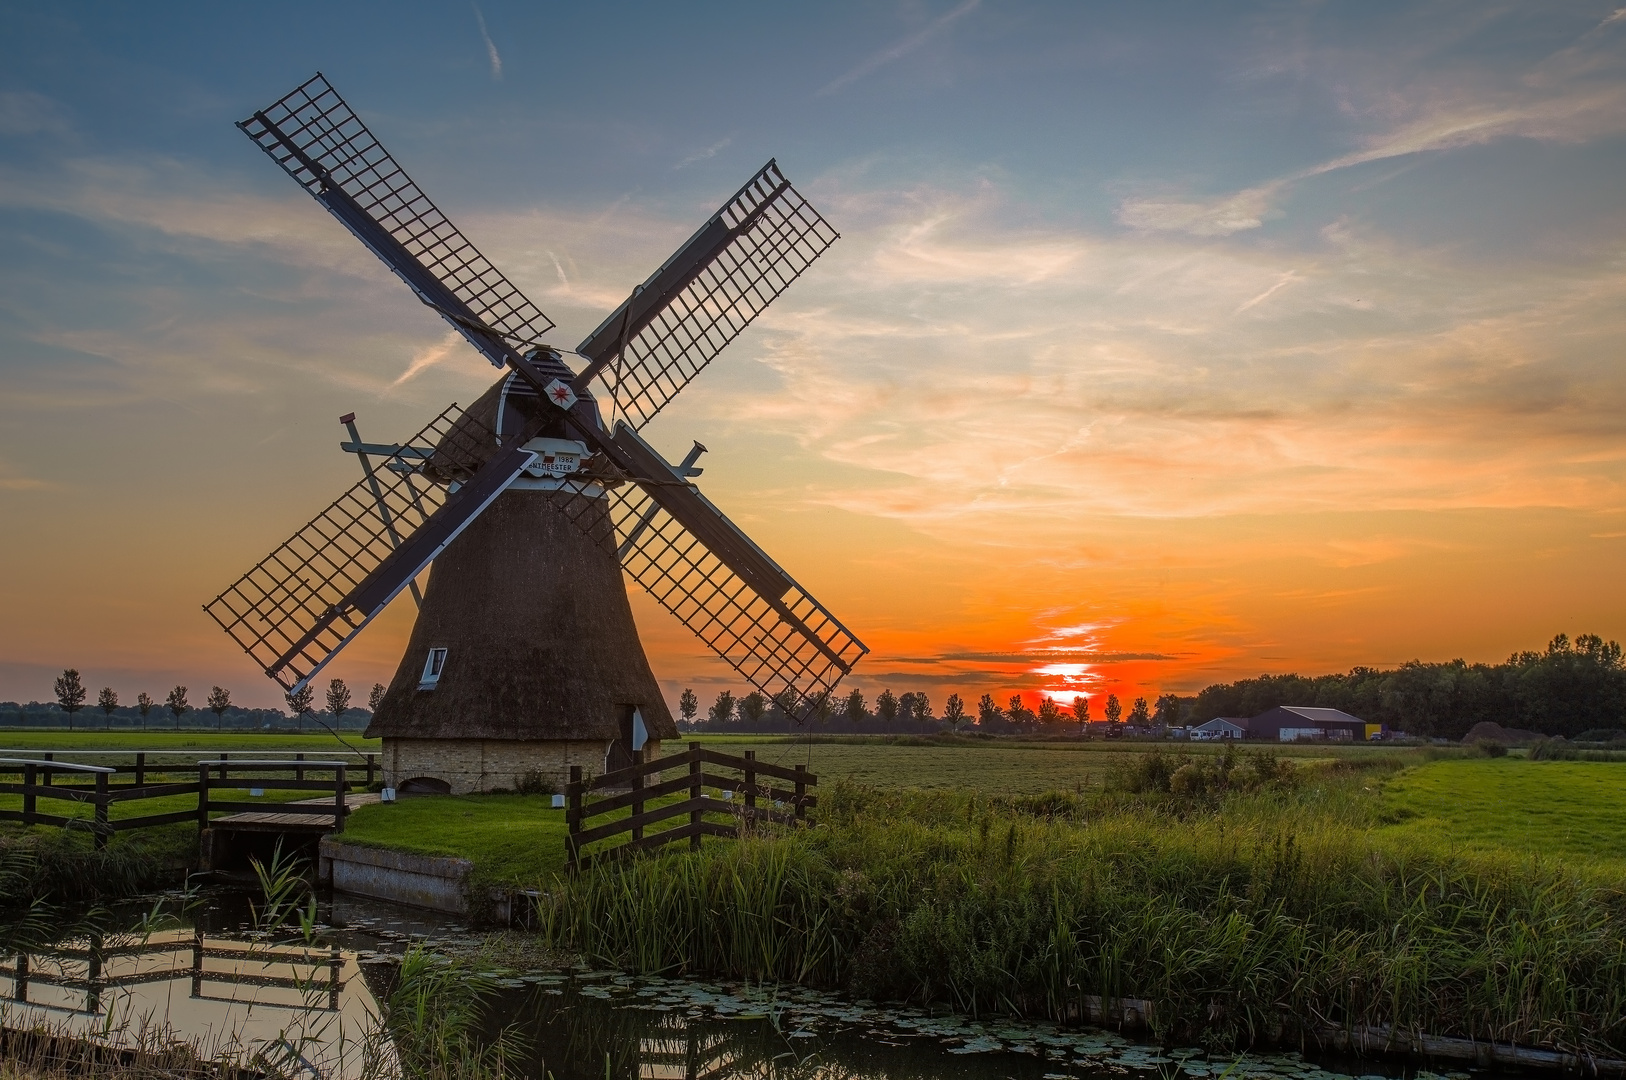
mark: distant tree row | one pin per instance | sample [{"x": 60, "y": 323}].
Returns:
[
  {"x": 1571, "y": 688},
  {"x": 71, "y": 695},
  {"x": 912, "y": 713}
]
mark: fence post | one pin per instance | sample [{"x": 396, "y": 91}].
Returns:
[
  {"x": 141, "y": 770},
  {"x": 223, "y": 758},
  {"x": 46, "y": 782},
  {"x": 299, "y": 770},
  {"x": 203, "y": 798},
  {"x": 101, "y": 811},
  {"x": 30, "y": 778},
  {"x": 371, "y": 762},
  {"x": 695, "y": 815},
  {"x": 801, "y": 793},
  {"x": 637, "y": 805},
  {"x": 750, "y": 789},
  {"x": 573, "y": 815},
  {"x": 339, "y": 788}
]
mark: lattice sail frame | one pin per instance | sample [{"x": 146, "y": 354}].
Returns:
[
  {"x": 790, "y": 642},
  {"x": 275, "y": 605},
  {"x": 758, "y": 264},
  {"x": 319, "y": 123}
]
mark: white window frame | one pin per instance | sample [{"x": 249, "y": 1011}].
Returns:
[{"x": 434, "y": 666}]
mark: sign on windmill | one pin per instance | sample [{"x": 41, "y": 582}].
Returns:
[{"x": 524, "y": 658}]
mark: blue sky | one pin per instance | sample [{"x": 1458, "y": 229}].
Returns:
[{"x": 1209, "y": 338}]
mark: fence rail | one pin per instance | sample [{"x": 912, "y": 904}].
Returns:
[
  {"x": 760, "y": 801},
  {"x": 95, "y": 785}
]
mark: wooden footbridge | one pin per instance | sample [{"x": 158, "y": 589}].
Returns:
[{"x": 100, "y": 801}]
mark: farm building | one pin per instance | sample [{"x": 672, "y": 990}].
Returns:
[
  {"x": 1291, "y": 723},
  {"x": 1222, "y": 727}
]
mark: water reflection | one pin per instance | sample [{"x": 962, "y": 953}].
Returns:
[
  {"x": 314, "y": 1006},
  {"x": 230, "y": 997}
]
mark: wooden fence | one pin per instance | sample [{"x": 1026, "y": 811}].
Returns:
[
  {"x": 749, "y": 797},
  {"x": 112, "y": 967},
  {"x": 95, "y": 785}
]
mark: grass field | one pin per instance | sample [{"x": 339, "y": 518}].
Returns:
[
  {"x": 132, "y": 741},
  {"x": 1571, "y": 810},
  {"x": 1009, "y": 767}
]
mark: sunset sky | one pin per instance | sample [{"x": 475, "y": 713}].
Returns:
[{"x": 1165, "y": 344}]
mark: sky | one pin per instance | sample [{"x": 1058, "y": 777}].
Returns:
[{"x": 1165, "y": 343}]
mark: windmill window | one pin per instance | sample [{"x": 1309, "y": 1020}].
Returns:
[{"x": 432, "y": 667}]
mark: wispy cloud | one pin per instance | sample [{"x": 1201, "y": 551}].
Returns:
[
  {"x": 901, "y": 49},
  {"x": 26, "y": 113},
  {"x": 491, "y": 46},
  {"x": 706, "y": 153},
  {"x": 428, "y": 357},
  {"x": 1558, "y": 99}
]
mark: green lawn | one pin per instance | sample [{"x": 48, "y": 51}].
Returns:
[
  {"x": 1567, "y": 809},
  {"x": 511, "y": 839}
]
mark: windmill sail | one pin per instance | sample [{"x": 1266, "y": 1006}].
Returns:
[
  {"x": 305, "y": 601},
  {"x": 322, "y": 144},
  {"x": 705, "y": 295},
  {"x": 699, "y": 566}
]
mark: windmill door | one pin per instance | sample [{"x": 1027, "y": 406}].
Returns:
[{"x": 624, "y": 751}]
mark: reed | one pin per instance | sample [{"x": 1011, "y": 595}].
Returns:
[{"x": 1254, "y": 917}]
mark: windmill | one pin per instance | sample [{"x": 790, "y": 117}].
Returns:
[{"x": 524, "y": 656}]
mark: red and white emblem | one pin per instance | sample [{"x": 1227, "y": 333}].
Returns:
[{"x": 560, "y": 393}]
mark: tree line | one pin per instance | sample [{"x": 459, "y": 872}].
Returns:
[
  {"x": 1570, "y": 689},
  {"x": 912, "y": 713},
  {"x": 72, "y": 696}
]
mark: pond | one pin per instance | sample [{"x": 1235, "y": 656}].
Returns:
[{"x": 313, "y": 1007}]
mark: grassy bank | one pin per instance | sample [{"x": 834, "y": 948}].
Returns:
[
  {"x": 511, "y": 839},
  {"x": 1237, "y": 907}
]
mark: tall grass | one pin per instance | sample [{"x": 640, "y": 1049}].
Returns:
[{"x": 1279, "y": 909}]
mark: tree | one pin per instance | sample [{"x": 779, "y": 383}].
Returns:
[
  {"x": 300, "y": 701},
  {"x": 144, "y": 704},
  {"x": 751, "y": 708},
  {"x": 338, "y": 699},
  {"x": 854, "y": 709},
  {"x": 70, "y": 694},
  {"x": 1049, "y": 714},
  {"x": 177, "y": 704},
  {"x": 219, "y": 701},
  {"x": 1018, "y": 713},
  {"x": 688, "y": 705},
  {"x": 785, "y": 702},
  {"x": 1081, "y": 713},
  {"x": 886, "y": 706},
  {"x": 722, "y": 710},
  {"x": 1139, "y": 715},
  {"x": 375, "y": 697},
  {"x": 989, "y": 715},
  {"x": 954, "y": 711},
  {"x": 1168, "y": 711},
  {"x": 922, "y": 708},
  {"x": 107, "y": 701},
  {"x": 1114, "y": 710},
  {"x": 819, "y": 707}
]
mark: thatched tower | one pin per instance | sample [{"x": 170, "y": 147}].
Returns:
[{"x": 541, "y": 669}]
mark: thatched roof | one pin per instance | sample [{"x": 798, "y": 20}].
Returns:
[{"x": 540, "y": 637}]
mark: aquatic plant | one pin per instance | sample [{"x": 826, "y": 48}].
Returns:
[{"x": 1281, "y": 910}]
